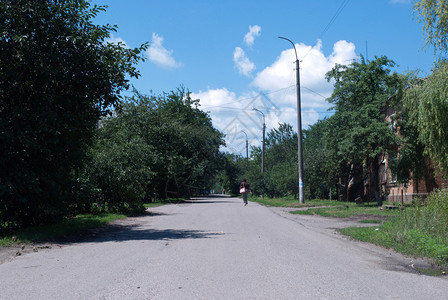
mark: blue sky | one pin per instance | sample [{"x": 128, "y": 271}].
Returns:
[{"x": 227, "y": 53}]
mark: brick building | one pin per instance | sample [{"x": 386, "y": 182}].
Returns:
[{"x": 396, "y": 192}]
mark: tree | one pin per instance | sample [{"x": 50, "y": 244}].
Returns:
[
  {"x": 408, "y": 161},
  {"x": 320, "y": 161},
  {"x": 434, "y": 16},
  {"x": 425, "y": 100},
  {"x": 426, "y": 103},
  {"x": 155, "y": 147},
  {"x": 280, "y": 172},
  {"x": 281, "y": 159},
  {"x": 361, "y": 95},
  {"x": 232, "y": 173},
  {"x": 57, "y": 77}
]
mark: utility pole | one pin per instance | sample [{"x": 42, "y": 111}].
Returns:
[
  {"x": 247, "y": 148},
  {"x": 262, "y": 149},
  {"x": 299, "y": 126}
]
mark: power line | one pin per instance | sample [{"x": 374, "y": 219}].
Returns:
[
  {"x": 335, "y": 16},
  {"x": 314, "y": 92},
  {"x": 333, "y": 19}
]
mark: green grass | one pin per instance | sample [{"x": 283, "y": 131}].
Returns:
[
  {"x": 370, "y": 221},
  {"x": 421, "y": 230},
  {"x": 347, "y": 210},
  {"x": 66, "y": 228},
  {"x": 326, "y": 208},
  {"x": 290, "y": 202},
  {"x": 412, "y": 242}
]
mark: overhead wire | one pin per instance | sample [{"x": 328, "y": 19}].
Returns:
[
  {"x": 327, "y": 27},
  {"x": 332, "y": 20}
]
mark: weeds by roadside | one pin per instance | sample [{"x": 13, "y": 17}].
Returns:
[{"x": 420, "y": 230}]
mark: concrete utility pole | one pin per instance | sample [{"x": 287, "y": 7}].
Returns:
[
  {"x": 299, "y": 126},
  {"x": 247, "y": 147},
  {"x": 262, "y": 149}
]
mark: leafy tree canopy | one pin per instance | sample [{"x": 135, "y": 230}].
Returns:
[
  {"x": 362, "y": 93},
  {"x": 434, "y": 16},
  {"x": 426, "y": 103},
  {"x": 156, "y": 147},
  {"x": 57, "y": 77}
]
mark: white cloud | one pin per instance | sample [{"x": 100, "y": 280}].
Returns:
[
  {"x": 160, "y": 55},
  {"x": 313, "y": 67},
  {"x": 242, "y": 62},
  {"x": 278, "y": 100},
  {"x": 116, "y": 40},
  {"x": 217, "y": 98},
  {"x": 254, "y": 31}
]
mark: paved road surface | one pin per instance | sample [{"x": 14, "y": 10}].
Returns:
[{"x": 215, "y": 248}]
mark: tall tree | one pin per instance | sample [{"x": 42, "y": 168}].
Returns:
[
  {"x": 57, "y": 77},
  {"x": 361, "y": 95}
]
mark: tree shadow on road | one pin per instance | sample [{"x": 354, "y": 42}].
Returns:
[
  {"x": 131, "y": 232},
  {"x": 137, "y": 234}
]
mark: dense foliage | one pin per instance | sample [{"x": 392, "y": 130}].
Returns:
[
  {"x": 426, "y": 104},
  {"x": 57, "y": 77},
  {"x": 433, "y": 14},
  {"x": 362, "y": 94},
  {"x": 280, "y": 164},
  {"x": 154, "y": 147}
]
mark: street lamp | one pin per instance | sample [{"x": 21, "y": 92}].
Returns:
[
  {"x": 247, "y": 145},
  {"x": 299, "y": 126},
  {"x": 262, "y": 149}
]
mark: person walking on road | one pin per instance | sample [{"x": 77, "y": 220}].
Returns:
[{"x": 244, "y": 190}]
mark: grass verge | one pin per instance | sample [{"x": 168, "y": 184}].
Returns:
[
  {"x": 66, "y": 228},
  {"x": 420, "y": 230},
  {"x": 291, "y": 202},
  {"x": 412, "y": 242},
  {"x": 347, "y": 210},
  {"x": 328, "y": 208}
]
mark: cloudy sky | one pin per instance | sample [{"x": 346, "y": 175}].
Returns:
[{"x": 228, "y": 54}]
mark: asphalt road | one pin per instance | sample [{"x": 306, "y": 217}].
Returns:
[{"x": 216, "y": 248}]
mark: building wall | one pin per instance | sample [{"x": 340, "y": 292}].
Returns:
[{"x": 396, "y": 193}]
